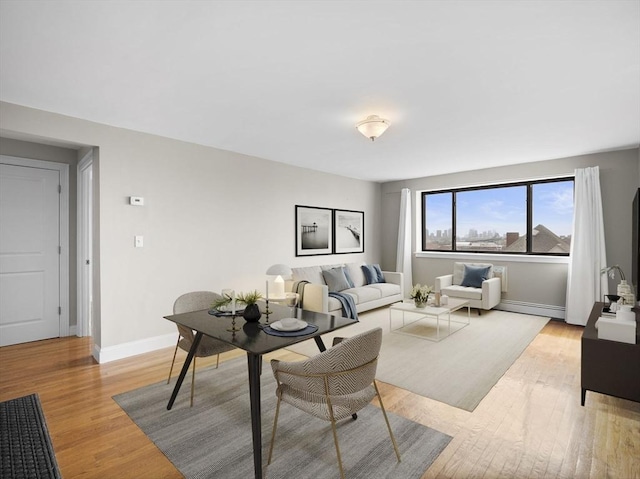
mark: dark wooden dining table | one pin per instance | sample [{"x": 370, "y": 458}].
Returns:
[{"x": 256, "y": 342}]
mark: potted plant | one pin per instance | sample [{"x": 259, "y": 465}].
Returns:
[
  {"x": 420, "y": 294},
  {"x": 250, "y": 300},
  {"x": 624, "y": 289}
]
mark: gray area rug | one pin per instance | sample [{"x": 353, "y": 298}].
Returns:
[
  {"x": 25, "y": 446},
  {"x": 459, "y": 370},
  {"x": 213, "y": 439}
]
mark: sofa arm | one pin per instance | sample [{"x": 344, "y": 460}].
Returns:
[
  {"x": 443, "y": 282},
  {"x": 316, "y": 296},
  {"x": 394, "y": 277},
  {"x": 491, "y": 292}
]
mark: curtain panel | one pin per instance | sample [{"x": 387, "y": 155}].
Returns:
[{"x": 585, "y": 283}]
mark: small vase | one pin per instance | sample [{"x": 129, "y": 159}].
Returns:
[
  {"x": 626, "y": 293},
  {"x": 420, "y": 304},
  {"x": 252, "y": 313}
]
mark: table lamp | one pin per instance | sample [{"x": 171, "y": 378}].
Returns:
[{"x": 278, "y": 270}]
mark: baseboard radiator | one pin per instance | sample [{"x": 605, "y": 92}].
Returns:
[{"x": 550, "y": 310}]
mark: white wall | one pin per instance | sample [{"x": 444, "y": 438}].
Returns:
[
  {"x": 212, "y": 219},
  {"x": 535, "y": 284}
]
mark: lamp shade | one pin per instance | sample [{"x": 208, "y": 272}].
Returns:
[
  {"x": 279, "y": 270},
  {"x": 373, "y": 126}
]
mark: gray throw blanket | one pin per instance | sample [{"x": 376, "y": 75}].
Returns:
[
  {"x": 298, "y": 287},
  {"x": 348, "y": 305}
]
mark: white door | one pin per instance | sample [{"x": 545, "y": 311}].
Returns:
[{"x": 29, "y": 254}]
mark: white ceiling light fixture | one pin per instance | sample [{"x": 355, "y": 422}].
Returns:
[{"x": 373, "y": 126}]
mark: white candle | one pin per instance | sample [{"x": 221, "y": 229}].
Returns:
[{"x": 267, "y": 290}]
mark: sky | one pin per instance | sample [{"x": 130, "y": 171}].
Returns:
[{"x": 504, "y": 209}]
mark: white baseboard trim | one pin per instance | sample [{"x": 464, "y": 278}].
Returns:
[
  {"x": 550, "y": 310},
  {"x": 125, "y": 350}
]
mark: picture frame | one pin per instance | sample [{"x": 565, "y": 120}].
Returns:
[
  {"x": 314, "y": 230},
  {"x": 348, "y": 231}
]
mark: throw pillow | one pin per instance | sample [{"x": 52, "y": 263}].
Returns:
[
  {"x": 348, "y": 276},
  {"x": 379, "y": 273},
  {"x": 473, "y": 276},
  {"x": 335, "y": 279},
  {"x": 370, "y": 273}
]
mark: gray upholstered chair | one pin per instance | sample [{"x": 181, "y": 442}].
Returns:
[
  {"x": 332, "y": 385},
  {"x": 196, "y": 301}
]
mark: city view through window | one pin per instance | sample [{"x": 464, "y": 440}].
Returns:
[{"x": 495, "y": 219}]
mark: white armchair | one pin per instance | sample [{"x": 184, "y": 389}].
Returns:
[{"x": 473, "y": 282}]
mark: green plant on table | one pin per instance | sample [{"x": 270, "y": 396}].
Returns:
[
  {"x": 420, "y": 293},
  {"x": 249, "y": 298}
]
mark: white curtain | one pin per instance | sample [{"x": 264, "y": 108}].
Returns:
[
  {"x": 403, "y": 258},
  {"x": 585, "y": 284}
]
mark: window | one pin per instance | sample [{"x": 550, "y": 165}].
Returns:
[{"x": 533, "y": 217}]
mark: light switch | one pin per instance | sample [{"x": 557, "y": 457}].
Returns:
[{"x": 139, "y": 241}]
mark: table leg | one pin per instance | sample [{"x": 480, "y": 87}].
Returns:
[
  {"x": 584, "y": 396},
  {"x": 253, "y": 362},
  {"x": 185, "y": 368}
]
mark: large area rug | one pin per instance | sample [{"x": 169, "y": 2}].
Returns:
[
  {"x": 459, "y": 370},
  {"x": 25, "y": 446},
  {"x": 213, "y": 439}
]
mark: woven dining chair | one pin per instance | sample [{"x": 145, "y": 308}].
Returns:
[
  {"x": 196, "y": 301},
  {"x": 332, "y": 385}
]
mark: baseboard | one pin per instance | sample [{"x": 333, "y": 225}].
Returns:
[
  {"x": 125, "y": 350},
  {"x": 549, "y": 310}
]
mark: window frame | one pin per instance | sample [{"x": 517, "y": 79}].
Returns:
[{"x": 529, "y": 184}]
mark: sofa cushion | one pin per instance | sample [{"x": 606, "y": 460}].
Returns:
[
  {"x": 364, "y": 294},
  {"x": 336, "y": 279},
  {"x": 386, "y": 289},
  {"x": 313, "y": 274},
  {"x": 458, "y": 271},
  {"x": 474, "y": 275},
  {"x": 462, "y": 292}
]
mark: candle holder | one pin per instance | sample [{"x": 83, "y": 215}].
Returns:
[{"x": 233, "y": 327}]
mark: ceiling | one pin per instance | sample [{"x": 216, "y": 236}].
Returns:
[{"x": 465, "y": 84}]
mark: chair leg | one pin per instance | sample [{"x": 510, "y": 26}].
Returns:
[
  {"x": 386, "y": 419},
  {"x": 335, "y": 440},
  {"x": 193, "y": 379},
  {"x": 217, "y": 360},
  {"x": 273, "y": 433},
  {"x": 174, "y": 360}
]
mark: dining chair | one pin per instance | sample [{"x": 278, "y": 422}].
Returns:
[
  {"x": 196, "y": 301},
  {"x": 332, "y": 385}
]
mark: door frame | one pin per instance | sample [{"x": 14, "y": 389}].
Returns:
[
  {"x": 84, "y": 245},
  {"x": 63, "y": 233}
]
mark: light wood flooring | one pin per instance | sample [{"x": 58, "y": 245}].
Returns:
[{"x": 530, "y": 425}]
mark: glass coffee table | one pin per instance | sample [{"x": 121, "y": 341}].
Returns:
[{"x": 420, "y": 322}]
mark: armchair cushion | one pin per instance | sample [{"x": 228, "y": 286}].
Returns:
[{"x": 474, "y": 275}]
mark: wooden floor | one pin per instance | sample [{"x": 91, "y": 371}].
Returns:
[{"x": 531, "y": 424}]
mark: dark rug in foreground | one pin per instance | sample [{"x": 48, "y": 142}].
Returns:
[
  {"x": 25, "y": 447},
  {"x": 213, "y": 439}
]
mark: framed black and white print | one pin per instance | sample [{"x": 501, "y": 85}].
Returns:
[
  {"x": 348, "y": 228},
  {"x": 314, "y": 231}
]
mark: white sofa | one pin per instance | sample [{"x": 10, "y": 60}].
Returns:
[
  {"x": 366, "y": 296},
  {"x": 485, "y": 297}
]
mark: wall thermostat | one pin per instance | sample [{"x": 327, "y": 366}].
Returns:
[{"x": 136, "y": 200}]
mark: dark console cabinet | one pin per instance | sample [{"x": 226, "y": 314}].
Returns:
[{"x": 610, "y": 367}]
